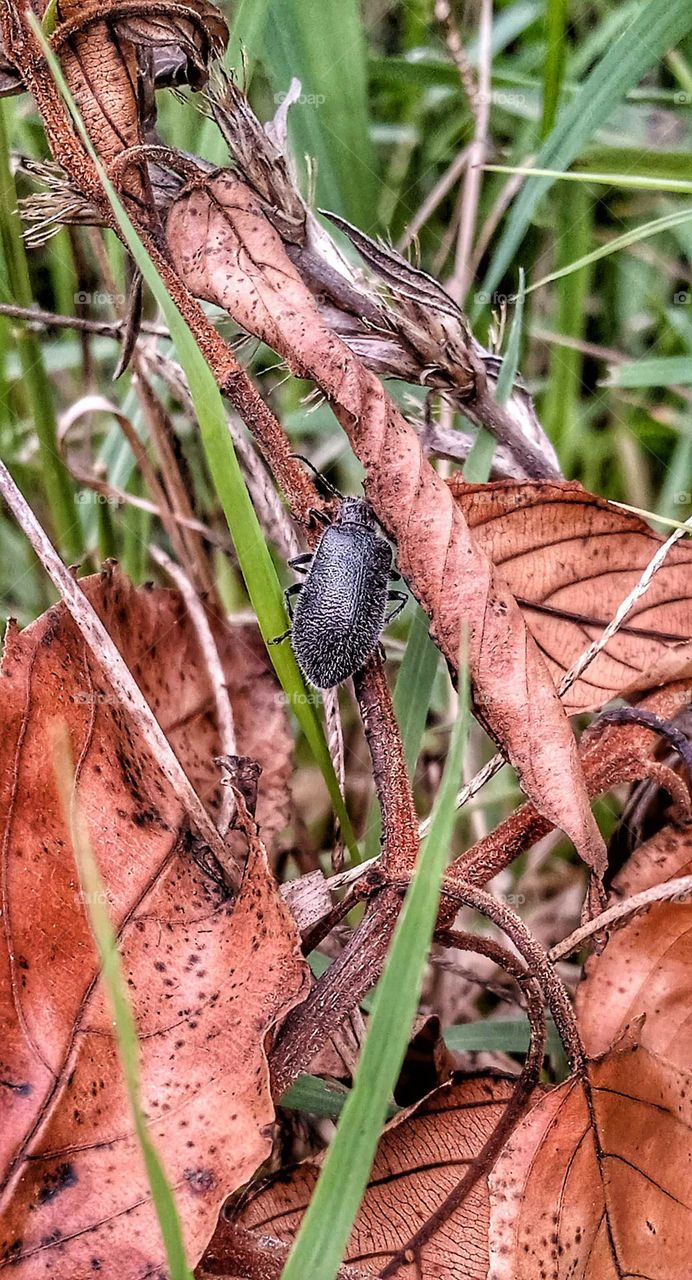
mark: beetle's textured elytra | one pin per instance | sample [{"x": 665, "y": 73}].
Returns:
[{"x": 342, "y": 604}]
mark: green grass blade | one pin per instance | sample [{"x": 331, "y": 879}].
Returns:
[
  {"x": 57, "y": 485},
  {"x": 497, "y": 1035},
  {"x": 263, "y": 586},
  {"x": 330, "y": 122},
  {"x": 324, "y": 1233},
  {"x": 95, "y": 897},
  {"x": 656, "y": 28},
  {"x": 659, "y": 371},
  {"x": 561, "y": 406},
  {"x": 554, "y": 64},
  {"x": 627, "y": 181},
  {"x": 643, "y": 232}
]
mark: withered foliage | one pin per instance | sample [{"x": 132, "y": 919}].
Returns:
[
  {"x": 492, "y": 1174},
  {"x": 208, "y": 977}
]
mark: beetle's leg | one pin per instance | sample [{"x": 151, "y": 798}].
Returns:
[
  {"x": 316, "y": 514},
  {"x": 394, "y": 576},
  {"x": 288, "y": 597},
  {"x": 401, "y": 598},
  {"x": 301, "y": 563},
  {"x": 289, "y": 593}
]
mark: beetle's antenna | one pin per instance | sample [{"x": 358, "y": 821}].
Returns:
[{"x": 327, "y": 483}]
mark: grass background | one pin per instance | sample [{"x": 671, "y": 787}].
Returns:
[{"x": 600, "y": 90}]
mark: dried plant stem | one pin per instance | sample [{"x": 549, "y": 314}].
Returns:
[
  {"x": 467, "y": 75},
  {"x": 537, "y": 961},
  {"x": 116, "y": 671},
  {"x": 459, "y": 284},
  {"x": 481, "y": 1165},
  {"x": 400, "y": 840},
  {"x": 212, "y": 661},
  {"x": 621, "y": 911},
  {"x": 163, "y": 438},
  {"x": 434, "y": 198},
  {"x": 38, "y": 319},
  {"x": 337, "y": 993}
]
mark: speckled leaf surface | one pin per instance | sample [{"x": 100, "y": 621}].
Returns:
[
  {"x": 644, "y": 975},
  {"x": 594, "y": 1183},
  {"x": 422, "y": 1157},
  {"x": 570, "y": 559},
  {"x": 207, "y": 977}
]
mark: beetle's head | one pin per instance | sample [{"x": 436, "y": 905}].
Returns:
[{"x": 355, "y": 511}]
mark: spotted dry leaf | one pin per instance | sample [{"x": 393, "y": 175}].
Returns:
[
  {"x": 644, "y": 975},
  {"x": 227, "y": 252},
  {"x": 594, "y": 1184},
  {"x": 208, "y": 978},
  {"x": 570, "y": 559},
  {"x": 422, "y": 1157}
]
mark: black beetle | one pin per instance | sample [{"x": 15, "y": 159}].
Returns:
[{"x": 342, "y": 605}]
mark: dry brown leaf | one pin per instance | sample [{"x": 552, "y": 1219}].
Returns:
[
  {"x": 207, "y": 977},
  {"x": 646, "y": 968},
  {"x": 98, "y": 45},
  {"x": 571, "y": 558},
  {"x": 594, "y": 1184},
  {"x": 422, "y": 1157},
  {"x": 228, "y": 253}
]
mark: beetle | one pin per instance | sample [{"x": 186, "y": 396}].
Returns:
[{"x": 341, "y": 608}]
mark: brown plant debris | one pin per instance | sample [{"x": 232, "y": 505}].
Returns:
[
  {"x": 227, "y": 252},
  {"x": 644, "y": 975},
  {"x": 594, "y": 1183},
  {"x": 570, "y": 558},
  {"x": 422, "y": 1157},
  {"x": 74, "y": 1188}
]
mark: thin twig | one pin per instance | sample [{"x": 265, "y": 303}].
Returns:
[
  {"x": 536, "y": 958},
  {"x": 116, "y": 671},
  {"x": 673, "y": 889},
  {"x": 212, "y": 661},
  {"x": 38, "y": 319},
  {"x": 526, "y": 1082},
  {"x": 459, "y": 284},
  {"x": 434, "y": 198}
]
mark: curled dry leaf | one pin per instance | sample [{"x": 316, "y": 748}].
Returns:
[
  {"x": 207, "y": 977},
  {"x": 422, "y": 1157},
  {"x": 570, "y": 559},
  {"x": 594, "y": 1183},
  {"x": 644, "y": 975},
  {"x": 100, "y": 49},
  {"x": 611, "y": 755},
  {"x": 228, "y": 253}
]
